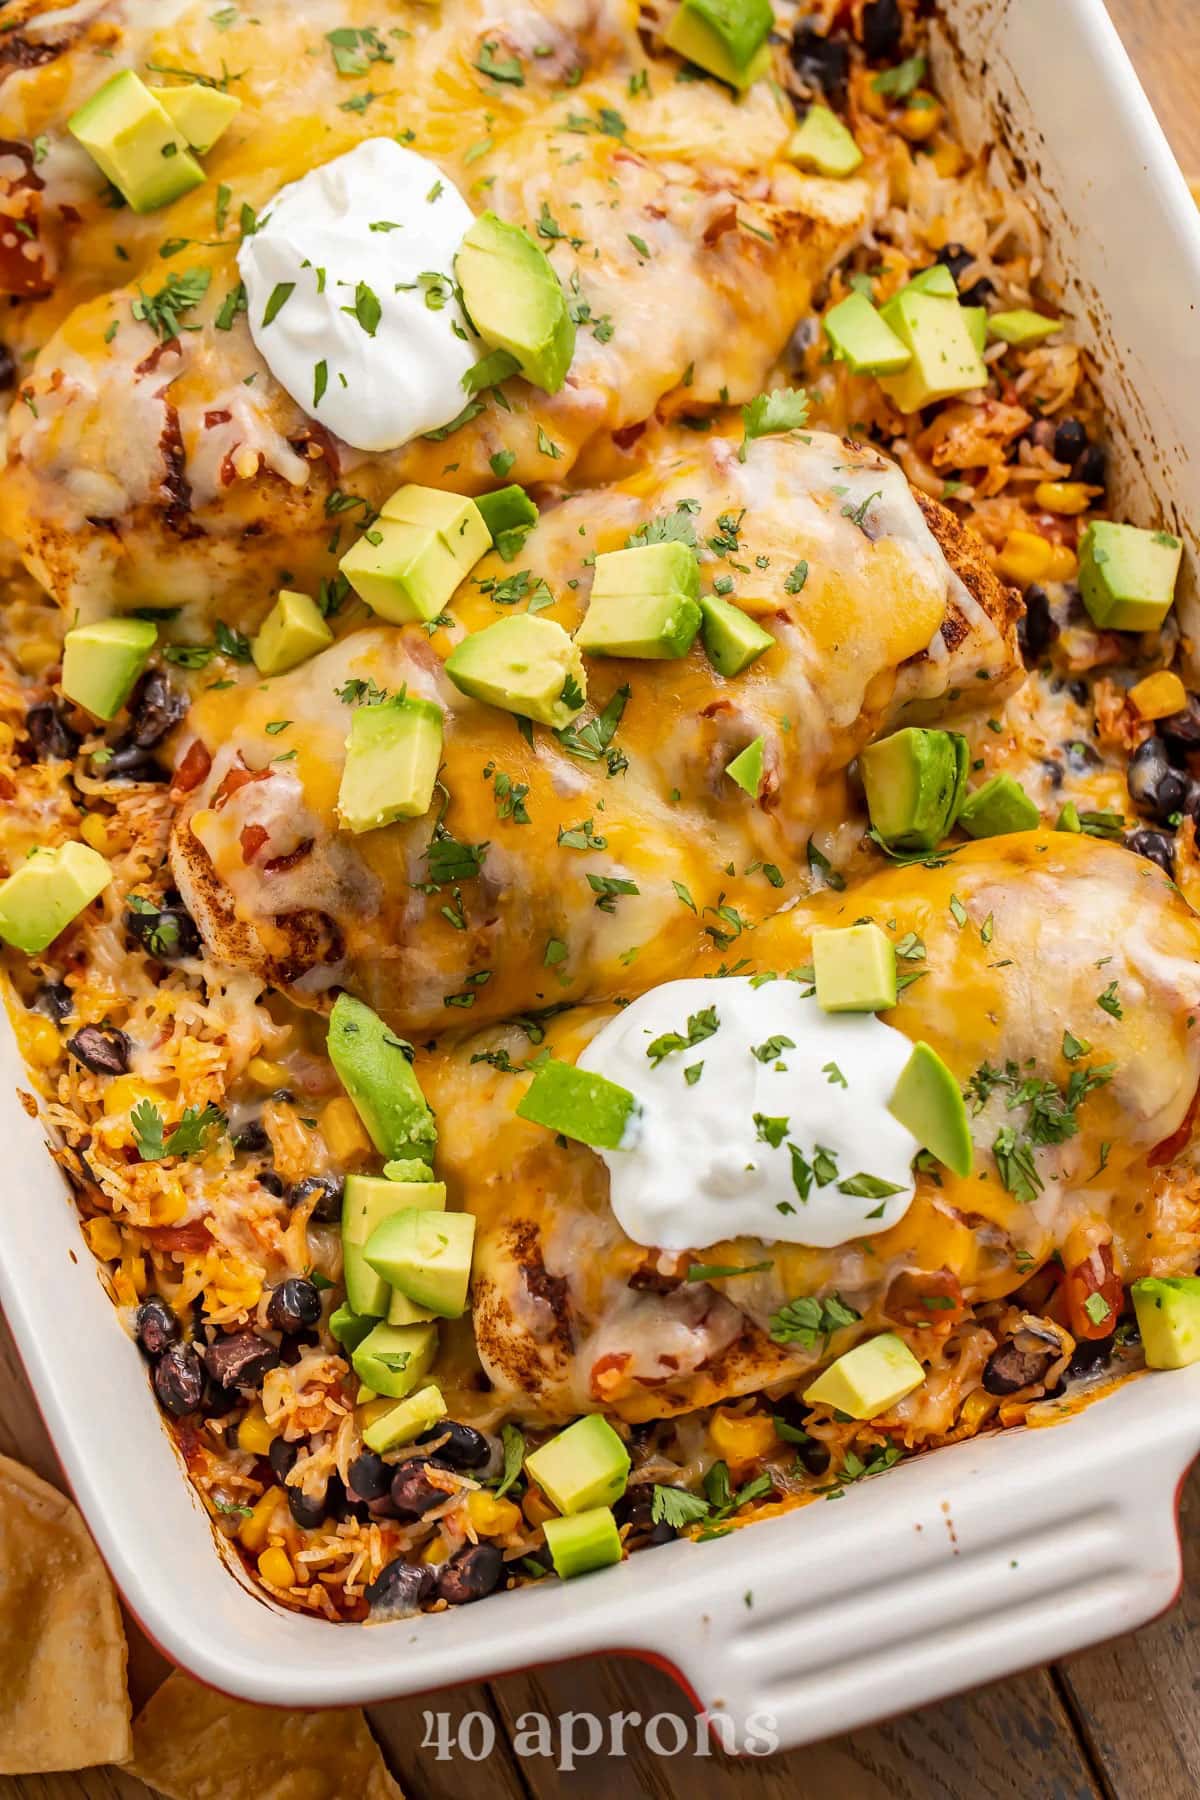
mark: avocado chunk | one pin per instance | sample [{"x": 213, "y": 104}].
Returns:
[
  {"x": 862, "y": 341},
  {"x": 586, "y": 1541},
  {"x": 747, "y": 768},
  {"x": 392, "y": 758},
  {"x": 928, "y": 1102},
  {"x": 392, "y": 1359},
  {"x": 136, "y": 143},
  {"x": 200, "y": 114},
  {"x": 515, "y": 300},
  {"x": 854, "y": 969},
  {"x": 727, "y": 38},
  {"x": 1127, "y": 575},
  {"x": 527, "y": 665},
  {"x": 584, "y": 1466},
  {"x": 47, "y": 891},
  {"x": 403, "y": 1311},
  {"x": 823, "y": 145},
  {"x": 375, "y": 1068},
  {"x": 977, "y": 325},
  {"x": 867, "y": 1380},
  {"x": 1022, "y": 326},
  {"x": 366, "y": 1203},
  {"x": 1168, "y": 1316},
  {"x": 936, "y": 279},
  {"x": 510, "y": 515},
  {"x": 402, "y": 1423},
  {"x": 945, "y": 360},
  {"x": 643, "y": 603},
  {"x": 101, "y": 663},
  {"x": 409, "y": 562},
  {"x": 427, "y": 1256},
  {"x": 1069, "y": 820},
  {"x": 732, "y": 639},
  {"x": 580, "y": 1105},
  {"x": 914, "y": 783},
  {"x": 1001, "y": 805},
  {"x": 349, "y": 1328},
  {"x": 292, "y": 631}
]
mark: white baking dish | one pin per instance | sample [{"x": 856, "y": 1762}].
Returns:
[{"x": 954, "y": 1569}]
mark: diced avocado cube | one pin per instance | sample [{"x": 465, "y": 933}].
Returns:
[
  {"x": 584, "y": 1466},
  {"x": 349, "y": 1328},
  {"x": 1168, "y": 1316},
  {"x": 423, "y": 544},
  {"x": 861, "y": 339},
  {"x": 515, "y": 300},
  {"x": 292, "y": 631},
  {"x": 928, "y": 1102},
  {"x": 914, "y": 782},
  {"x": 1000, "y": 806},
  {"x": 136, "y": 143},
  {"x": 728, "y": 38},
  {"x": 977, "y": 325},
  {"x": 407, "y": 1168},
  {"x": 393, "y": 1359},
  {"x": 732, "y": 639},
  {"x": 579, "y": 1104},
  {"x": 1022, "y": 326},
  {"x": 426, "y": 1255},
  {"x": 366, "y": 1203},
  {"x": 1127, "y": 575},
  {"x": 199, "y": 113},
  {"x": 403, "y": 1311},
  {"x": 823, "y": 144},
  {"x": 392, "y": 758},
  {"x": 101, "y": 663},
  {"x": 527, "y": 665},
  {"x": 654, "y": 627},
  {"x": 47, "y": 891},
  {"x": 869, "y": 1379},
  {"x": 647, "y": 569},
  {"x": 402, "y": 1423},
  {"x": 854, "y": 969},
  {"x": 746, "y": 769},
  {"x": 1069, "y": 820},
  {"x": 510, "y": 515},
  {"x": 944, "y": 358},
  {"x": 586, "y": 1541},
  {"x": 936, "y": 279},
  {"x": 375, "y": 1068},
  {"x": 456, "y": 519}
]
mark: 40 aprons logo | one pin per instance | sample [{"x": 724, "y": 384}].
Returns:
[{"x": 569, "y": 1737}]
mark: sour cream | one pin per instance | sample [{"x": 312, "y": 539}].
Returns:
[
  {"x": 729, "y": 1152},
  {"x": 370, "y": 340}
]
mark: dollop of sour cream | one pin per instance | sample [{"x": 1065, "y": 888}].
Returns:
[
  {"x": 783, "y": 1134},
  {"x": 369, "y": 340}
]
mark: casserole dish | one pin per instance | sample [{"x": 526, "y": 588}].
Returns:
[{"x": 1059, "y": 1570}]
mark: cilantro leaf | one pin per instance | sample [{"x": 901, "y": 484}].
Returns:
[{"x": 783, "y": 409}]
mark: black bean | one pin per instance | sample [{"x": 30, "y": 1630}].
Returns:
[
  {"x": 1183, "y": 728},
  {"x": 470, "y": 1575},
  {"x": 820, "y": 62},
  {"x": 218, "y": 1401},
  {"x": 1153, "y": 784},
  {"x": 126, "y": 762},
  {"x": 1009, "y": 1368},
  {"x": 370, "y": 1476},
  {"x": 638, "y": 1514},
  {"x": 1092, "y": 466},
  {"x": 307, "y": 1513},
  {"x": 240, "y": 1359},
  {"x": 1039, "y": 628},
  {"x": 954, "y": 258},
  {"x": 49, "y": 733},
  {"x": 101, "y": 1048},
  {"x": 464, "y": 1447},
  {"x": 8, "y": 368},
  {"x": 179, "y": 1380},
  {"x": 282, "y": 1458},
  {"x": 399, "y": 1588},
  {"x": 294, "y": 1306},
  {"x": 157, "y": 1326},
  {"x": 882, "y": 30},
  {"x": 252, "y": 1138},
  {"x": 55, "y": 1000},
  {"x": 1070, "y": 441},
  {"x": 267, "y": 1178},
  {"x": 1159, "y": 846},
  {"x": 155, "y": 707},
  {"x": 167, "y": 932},
  {"x": 412, "y": 1495},
  {"x": 977, "y": 293},
  {"x": 1053, "y": 773},
  {"x": 814, "y": 1455},
  {"x": 328, "y": 1190},
  {"x": 1088, "y": 1354}
]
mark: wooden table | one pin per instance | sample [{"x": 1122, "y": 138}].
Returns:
[{"x": 1118, "y": 1723}]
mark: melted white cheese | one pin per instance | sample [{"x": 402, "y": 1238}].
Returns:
[
  {"x": 364, "y": 231},
  {"x": 696, "y": 1165}
]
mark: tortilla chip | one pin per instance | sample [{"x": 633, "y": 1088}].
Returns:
[
  {"x": 193, "y": 1744},
  {"x": 63, "y": 1703}
]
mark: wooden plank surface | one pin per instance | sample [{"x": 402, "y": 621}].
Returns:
[{"x": 1117, "y": 1723}]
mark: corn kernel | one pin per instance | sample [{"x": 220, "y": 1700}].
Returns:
[
  {"x": 921, "y": 117},
  {"x": 976, "y": 1408},
  {"x": 343, "y": 1130},
  {"x": 1159, "y": 695},
  {"x": 94, "y": 831},
  {"x": 124, "y": 1092},
  {"x": 949, "y": 160},
  {"x": 1068, "y": 497},
  {"x": 103, "y": 1238},
  {"x": 741, "y": 1440},
  {"x": 492, "y": 1517},
  {"x": 254, "y": 1434},
  {"x": 266, "y": 1074},
  {"x": 254, "y": 1531},
  {"x": 1063, "y": 564},
  {"x": 274, "y": 1566},
  {"x": 1024, "y": 558},
  {"x": 536, "y": 1507},
  {"x": 37, "y": 654},
  {"x": 8, "y": 737},
  {"x": 435, "y": 1551},
  {"x": 40, "y": 1042}
]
